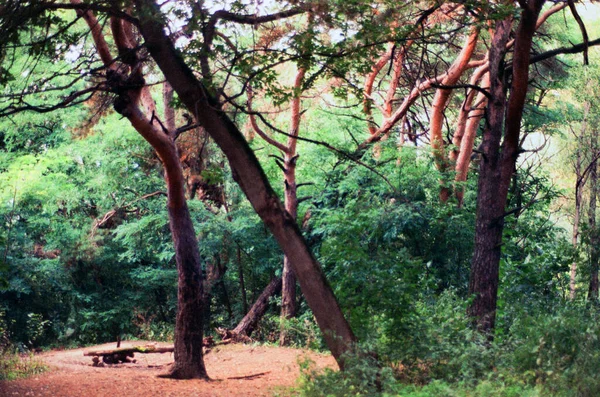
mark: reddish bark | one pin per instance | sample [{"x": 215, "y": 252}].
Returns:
[
  {"x": 440, "y": 101},
  {"x": 290, "y": 157},
  {"x": 288, "y": 288},
  {"x": 368, "y": 88},
  {"x": 466, "y": 142}
]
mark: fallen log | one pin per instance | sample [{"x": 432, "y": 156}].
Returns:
[
  {"x": 126, "y": 351},
  {"x": 125, "y": 354}
]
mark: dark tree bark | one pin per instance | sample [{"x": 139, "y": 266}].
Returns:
[
  {"x": 242, "y": 281},
  {"x": 135, "y": 102},
  {"x": 248, "y": 173},
  {"x": 498, "y": 162},
  {"x": 258, "y": 309}
]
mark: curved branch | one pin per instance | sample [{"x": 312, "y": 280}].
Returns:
[
  {"x": 584, "y": 33},
  {"x": 256, "y": 127}
]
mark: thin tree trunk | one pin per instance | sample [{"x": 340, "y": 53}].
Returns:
[
  {"x": 581, "y": 177},
  {"x": 440, "y": 100},
  {"x": 576, "y": 219},
  {"x": 467, "y": 141},
  {"x": 593, "y": 230},
  {"x": 241, "y": 280},
  {"x": 288, "y": 288},
  {"x": 247, "y": 172}
]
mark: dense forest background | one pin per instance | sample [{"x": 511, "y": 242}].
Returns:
[{"x": 86, "y": 253}]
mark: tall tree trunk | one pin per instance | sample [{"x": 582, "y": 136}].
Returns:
[
  {"x": 574, "y": 238},
  {"x": 488, "y": 229},
  {"x": 247, "y": 172},
  {"x": 135, "y": 102},
  {"x": 497, "y": 166},
  {"x": 288, "y": 287},
  {"x": 593, "y": 230},
  {"x": 189, "y": 362},
  {"x": 581, "y": 177}
]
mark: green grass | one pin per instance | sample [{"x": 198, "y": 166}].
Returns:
[{"x": 14, "y": 366}]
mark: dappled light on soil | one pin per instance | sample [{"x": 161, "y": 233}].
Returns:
[{"x": 235, "y": 370}]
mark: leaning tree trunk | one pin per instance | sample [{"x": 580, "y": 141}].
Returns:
[
  {"x": 247, "y": 172},
  {"x": 498, "y": 164},
  {"x": 189, "y": 323},
  {"x": 258, "y": 309},
  {"x": 135, "y": 103}
]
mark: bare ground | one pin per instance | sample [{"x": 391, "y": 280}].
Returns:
[{"x": 261, "y": 370}]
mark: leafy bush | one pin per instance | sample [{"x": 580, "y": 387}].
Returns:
[
  {"x": 362, "y": 376},
  {"x": 560, "y": 351},
  {"x": 14, "y": 365}
]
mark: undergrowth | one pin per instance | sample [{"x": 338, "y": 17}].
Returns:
[
  {"x": 554, "y": 353},
  {"x": 14, "y": 365}
]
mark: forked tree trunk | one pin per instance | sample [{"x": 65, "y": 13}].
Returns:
[
  {"x": 135, "y": 103},
  {"x": 247, "y": 172},
  {"x": 189, "y": 323},
  {"x": 288, "y": 286},
  {"x": 497, "y": 166}
]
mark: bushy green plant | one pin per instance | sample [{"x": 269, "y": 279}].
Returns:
[
  {"x": 14, "y": 365},
  {"x": 483, "y": 389},
  {"x": 149, "y": 328},
  {"x": 302, "y": 331},
  {"x": 362, "y": 376},
  {"x": 560, "y": 350},
  {"x": 440, "y": 343}
]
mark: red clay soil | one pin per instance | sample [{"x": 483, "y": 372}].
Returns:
[{"x": 260, "y": 371}]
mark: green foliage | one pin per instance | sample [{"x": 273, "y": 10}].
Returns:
[
  {"x": 559, "y": 350},
  {"x": 384, "y": 245},
  {"x": 361, "y": 377},
  {"x": 14, "y": 365}
]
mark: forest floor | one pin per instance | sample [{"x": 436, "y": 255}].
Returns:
[{"x": 235, "y": 370}]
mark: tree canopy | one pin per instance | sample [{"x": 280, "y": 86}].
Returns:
[{"x": 167, "y": 168}]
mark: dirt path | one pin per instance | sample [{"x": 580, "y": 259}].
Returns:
[{"x": 73, "y": 375}]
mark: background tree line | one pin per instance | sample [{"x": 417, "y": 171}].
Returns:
[{"x": 410, "y": 144}]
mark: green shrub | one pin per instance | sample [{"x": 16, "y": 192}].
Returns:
[
  {"x": 362, "y": 376},
  {"x": 14, "y": 365},
  {"x": 440, "y": 344},
  {"x": 560, "y": 351}
]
